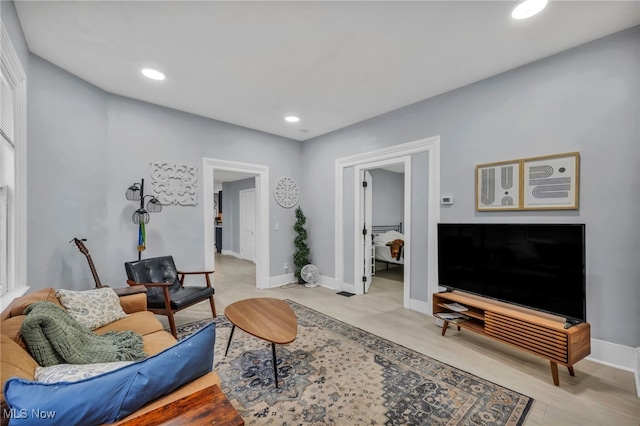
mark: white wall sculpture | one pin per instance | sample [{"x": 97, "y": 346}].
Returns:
[{"x": 175, "y": 183}]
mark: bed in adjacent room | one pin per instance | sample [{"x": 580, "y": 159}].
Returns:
[{"x": 388, "y": 241}]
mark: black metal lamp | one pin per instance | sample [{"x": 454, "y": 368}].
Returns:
[
  {"x": 133, "y": 193},
  {"x": 141, "y": 216},
  {"x": 154, "y": 206}
]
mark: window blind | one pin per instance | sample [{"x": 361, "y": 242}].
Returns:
[
  {"x": 7, "y": 111},
  {"x": 4, "y": 241}
]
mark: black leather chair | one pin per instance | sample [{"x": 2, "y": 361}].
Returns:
[{"x": 166, "y": 293}]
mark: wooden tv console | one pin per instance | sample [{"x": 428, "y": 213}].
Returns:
[{"x": 535, "y": 332}]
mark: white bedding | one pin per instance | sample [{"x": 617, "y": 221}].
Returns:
[
  {"x": 383, "y": 251},
  {"x": 383, "y": 254}
]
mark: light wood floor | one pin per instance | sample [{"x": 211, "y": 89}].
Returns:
[{"x": 597, "y": 395}]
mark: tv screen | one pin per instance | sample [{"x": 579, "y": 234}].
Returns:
[{"x": 541, "y": 266}]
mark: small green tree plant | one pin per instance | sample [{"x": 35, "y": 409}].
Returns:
[{"x": 301, "y": 254}]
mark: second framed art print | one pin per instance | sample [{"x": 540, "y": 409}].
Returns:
[{"x": 551, "y": 182}]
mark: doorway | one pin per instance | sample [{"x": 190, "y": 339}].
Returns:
[
  {"x": 384, "y": 226},
  {"x": 214, "y": 171},
  {"x": 348, "y": 250},
  {"x": 367, "y": 252}
]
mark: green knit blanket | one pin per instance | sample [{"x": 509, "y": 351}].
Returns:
[{"x": 54, "y": 337}]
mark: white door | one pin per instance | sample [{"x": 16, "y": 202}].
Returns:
[
  {"x": 248, "y": 224},
  {"x": 367, "y": 205}
]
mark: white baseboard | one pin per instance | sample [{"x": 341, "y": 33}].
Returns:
[
  {"x": 231, "y": 253},
  {"x": 419, "y": 306},
  {"x": 328, "y": 282},
  {"x": 280, "y": 280},
  {"x": 350, "y": 288},
  {"x": 618, "y": 356}
]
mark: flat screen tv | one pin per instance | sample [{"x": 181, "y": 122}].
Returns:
[{"x": 539, "y": 266}]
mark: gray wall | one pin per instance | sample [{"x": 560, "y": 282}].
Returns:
[
  {"x": 231, "y": 212},
  {"x": 86, "y": 147},
  {"x": 67, "y": 166},
  {"x": 9, "y": 17},
  {"x": 586, "y": 100},
  {"x": 419, "y": 226},
  {"x": 387, "y": 197}
]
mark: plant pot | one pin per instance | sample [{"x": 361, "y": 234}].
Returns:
[{"x": 301, "y": 281}]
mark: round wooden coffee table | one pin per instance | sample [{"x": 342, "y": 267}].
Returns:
[{"x": 266, "y": 318}]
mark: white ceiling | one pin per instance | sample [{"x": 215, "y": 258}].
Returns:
[{"x": 331, "y": 63}]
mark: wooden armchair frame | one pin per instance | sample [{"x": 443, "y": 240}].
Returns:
[{"x": 167, "y": 310}]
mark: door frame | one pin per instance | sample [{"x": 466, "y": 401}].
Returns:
[
  {"x": 367, "y": 216},
  {"x": 242, "y": 222},
  {"x": 359, "y": 255},
  {"x": 430, "y": 145},
  {"x": 261, "y": 174}
]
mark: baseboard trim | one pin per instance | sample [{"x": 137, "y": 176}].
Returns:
[
  {"x": 280, "y": 280},
  {"x": 618, "y": 356},
  {"x": 350, "y": 288},
  {"x": 329, "y": 282},
  {"x": 231, "y": 253},
  {"x": 420, "y": 306}
]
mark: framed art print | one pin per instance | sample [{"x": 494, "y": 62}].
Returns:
[
  {"x": 551, "y": 182},
  {"x": 498, "y": 186}
]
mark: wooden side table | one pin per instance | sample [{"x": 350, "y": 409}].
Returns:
[{"x": 208, "y": 406}]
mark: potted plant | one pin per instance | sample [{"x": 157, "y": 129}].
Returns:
[{"x": 301, "y": 254}]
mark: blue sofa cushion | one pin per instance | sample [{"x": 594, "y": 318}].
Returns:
[{"x": 114, "y": 395}]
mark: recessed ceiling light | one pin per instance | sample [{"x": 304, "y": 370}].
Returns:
[
  {"x": 527, "y": 8},
  {"x": 292, "y": 119},
  {"x": 152, "y": 74}
]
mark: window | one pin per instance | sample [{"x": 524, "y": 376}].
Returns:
[
  {"x": 7, "y": 172},
  {"x": 12, "y": 169},
  {"x": 4, "y": 243}
]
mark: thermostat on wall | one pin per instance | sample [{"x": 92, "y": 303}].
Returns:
[{"x": 446, "y": 199}]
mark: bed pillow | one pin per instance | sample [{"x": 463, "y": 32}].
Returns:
[
  {"x": 114, "y": 395},
  {"x": 92, "y": 308},
  {"x": 75, "y": 372}
]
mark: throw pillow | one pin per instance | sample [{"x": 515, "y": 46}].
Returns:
[
  {"x": 92, "y": 308},
  {"x": 114, "y": 395},
  {"x": 75, "y": 372}
]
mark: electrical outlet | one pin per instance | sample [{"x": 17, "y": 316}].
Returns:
[{"x": 286, "y": 267}]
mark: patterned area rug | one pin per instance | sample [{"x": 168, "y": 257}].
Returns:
[{"x": 334, "y": 373}]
